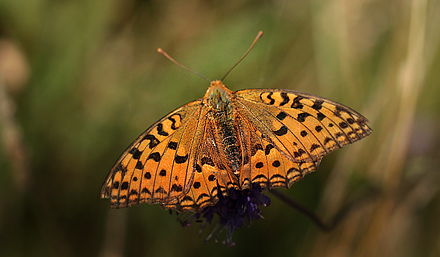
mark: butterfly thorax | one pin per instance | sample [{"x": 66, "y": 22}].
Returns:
[{"x": 218, "y": 98}]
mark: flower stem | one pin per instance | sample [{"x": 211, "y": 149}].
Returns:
[{"x": 317, "y": 220}]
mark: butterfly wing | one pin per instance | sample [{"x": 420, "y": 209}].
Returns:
[
  {"x": 303, "y": 127},
  {"x": 156, "y": 167},
  {"x": 264, "y": 164},
  {"x": 211, "y": 175}
]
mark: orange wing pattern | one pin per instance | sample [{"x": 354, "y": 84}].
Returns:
[
  {"x": 266, "y": 164},
  {"x": 210, "y": 175},
  {"x": 156, "y": 167},
  {"x": 302, "y": 126},
  {"x": 180, "y": 161}
]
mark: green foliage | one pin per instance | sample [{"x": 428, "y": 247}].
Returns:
[{"x": 96, "y": 82}]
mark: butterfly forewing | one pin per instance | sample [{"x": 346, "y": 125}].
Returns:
[
  {"x": 171, "y": 170},
  {"x": 306, "y": 126},
  {"x": 277, "y": 131},
  {"x": 151, "y": 169}
]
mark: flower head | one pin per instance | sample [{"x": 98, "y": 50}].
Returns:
[{"x": 239, "y": 207}]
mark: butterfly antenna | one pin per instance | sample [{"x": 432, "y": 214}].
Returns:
[
  {"x": 250, "y": 48},
  {"x": 174, "y": 61}
]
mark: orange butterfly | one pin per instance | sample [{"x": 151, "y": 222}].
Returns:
[{"x": 271, "y": 137}]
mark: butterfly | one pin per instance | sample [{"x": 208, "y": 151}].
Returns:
[{"x": 230, "y": 140}]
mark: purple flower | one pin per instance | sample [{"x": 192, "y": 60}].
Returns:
[{"x": 239, "y": 207}]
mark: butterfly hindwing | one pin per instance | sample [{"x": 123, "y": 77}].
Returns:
[
  {"x": 266, "y": 165},
  {"x": 210, "y": 175}
]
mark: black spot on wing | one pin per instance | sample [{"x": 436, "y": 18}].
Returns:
[
  {"x": 282, "y": 131},
  {"x": 291, "y": 170},
  {"x": 187, "y": 198},
  {"x": 160, "y": 130},
  {"x": 285, "y": 97},
  {"x": 176, "y": 188},
  {"x": 198, "y": 168},
  {"x": 314, "y": 146},
  {"x": 276, "y": 164},
  {"x": 260, "y": 176},
  {"x": 123, "y": 169},
  {"x": 299, "y": 153},
  {"x": 302, "y": 116},
  {"x": 139, "y": 165},
  {"x": 155, "y": 156},
  {"x": 350, "y": 133},
  {"x": 201, "y": 196},
  {"x": 181, "y": 159},
  {"x": 153, "y": 140},
  {"x": 145, "y": 191},
  {"x": 339, "y": 134},
  {"x": 277, "y": 176},
  {"x": 136, "y": 154},
  {"x": 173, "y": 122},
  {"x": 296, "y": 103},
  {"x": 317, "y": 105},
  {"x": 196, "y": 185},
  {"x": 281, "y": 116},
  {"x": 338, "y": 110},
  {"x": 160, "y": 190},
  {"x": 172, "y": 145},
  {"x": 268, "y": 148},
  {"x": 269, "y": 96},
  {"x": 327, "y": 140}
]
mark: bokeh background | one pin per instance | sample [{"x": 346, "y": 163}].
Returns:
[{"x": 79, "y": 80}]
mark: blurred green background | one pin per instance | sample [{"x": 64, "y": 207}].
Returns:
[{"x": 79, "y": 80}]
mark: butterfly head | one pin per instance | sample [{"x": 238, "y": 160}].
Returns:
[{"x": 218, "y": 96}]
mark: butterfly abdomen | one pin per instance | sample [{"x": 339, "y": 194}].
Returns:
[
  {"x": 219, "y": 98},
  {"x": 230, "y": 144}
]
